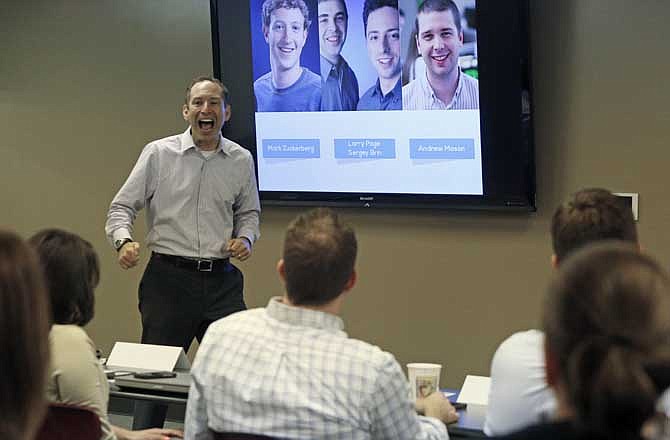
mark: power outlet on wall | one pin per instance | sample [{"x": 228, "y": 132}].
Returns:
[{"x": 630, "y": 199}]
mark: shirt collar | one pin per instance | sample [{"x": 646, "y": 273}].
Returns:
[
  {"x": 327, "y": 66},
  {"x": 377, "y": 91},
  {"x": 431, "y": 93},
  {"x": 187, "y": 143},
  {"x": 396, "y": 90},
  {"x": 303, "y": 317}
]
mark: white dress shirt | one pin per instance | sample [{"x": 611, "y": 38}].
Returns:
[
  {"x": 419, "y": 95},
  {"x": 519, "y": 395},
  {"x": 195, "y": 203}
]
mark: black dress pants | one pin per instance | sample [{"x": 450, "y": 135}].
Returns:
[{"x": 177, "y": 304}]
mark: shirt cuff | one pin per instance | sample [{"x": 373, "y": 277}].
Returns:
[
  {"x": 437, "y": 426},
  {"x": 248, "y": 234},
  {"x": 120, "y": 234},
  {"x": 249, "y": 240}
]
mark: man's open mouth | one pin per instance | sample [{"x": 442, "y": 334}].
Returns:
[
  {"x": 206, "y": 124},
  {"x": 385, "y": 61},
  {"x": 439, "y": 58},
  {"x": 286, "y": 49}
]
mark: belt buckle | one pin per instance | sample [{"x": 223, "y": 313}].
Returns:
[{"x": 206, "y": 267}]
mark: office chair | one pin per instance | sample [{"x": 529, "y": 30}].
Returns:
[
  {"x": 69, "y": 422},
  {"x": 239, "y": 436}
]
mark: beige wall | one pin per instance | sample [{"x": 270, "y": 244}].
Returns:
[{"x": 84, "y": 85}]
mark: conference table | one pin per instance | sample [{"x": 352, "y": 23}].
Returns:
[{"x": 469, "y": 425}]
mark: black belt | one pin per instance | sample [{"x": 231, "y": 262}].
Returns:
[{"x": 195, "y": 264}]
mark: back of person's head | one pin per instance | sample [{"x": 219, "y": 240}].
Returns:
[
  {"x": 438, "y": 6},
  {"x": 590, "y": 215},
  {"x": 24, "y": 339},
  {"x": 71, "y": 271},
  {"x": 372, "y": 5},
  {"x": 319, "y": 257},
  {"x": 607, "y": 324}
]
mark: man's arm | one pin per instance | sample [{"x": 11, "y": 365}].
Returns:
[
  {"x": 393, "y": 414},
  {"x": 519, "y": 395},
  {"x": 246, "y": 212},
  {"x": 196, "y": 420},
  {"x": 130, "y": 199}
]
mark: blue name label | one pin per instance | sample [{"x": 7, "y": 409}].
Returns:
[
  {"x": 364, "y": 148},
  {"x": 291, "y": 148},
  {"x": 442, "y": 148}
]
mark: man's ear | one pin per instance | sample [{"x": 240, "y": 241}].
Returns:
[
  {"x": 281, "y": 270},
  {"x": 351, "y": 282},
  {"x": 554, "y": 261},
  {"x": 266, "y": 34},
  {"x": 550, "y": 365},
  {"x": 227, "y": 113},
  {"x": 184, "y": 112}
]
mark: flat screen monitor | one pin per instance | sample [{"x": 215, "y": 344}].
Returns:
[{"x": 381, "y": 103}]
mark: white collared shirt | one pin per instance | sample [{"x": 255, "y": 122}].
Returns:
[
  {"x": 519, "y": 395},
  {"x": 195, "y": 204},
  {"x": 419, "y": 95},
  {"x": 293, "y": 373}
]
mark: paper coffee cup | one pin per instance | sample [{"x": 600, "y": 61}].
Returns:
[{"x": 424, "y": 379}]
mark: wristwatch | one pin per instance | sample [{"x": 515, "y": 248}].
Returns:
[{"x": 118, "y": 244}]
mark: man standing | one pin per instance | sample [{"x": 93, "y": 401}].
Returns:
[
  {"x": 339, "y": 86},
  {"x": 287, "y": 87},
  {"x": 200, "y": 192},
  {"x": 381, "y": 22},
  {"x": 519, "y": 394},
  {"x": 290, "y": 371},
  {"x": 439, "y": 40}
]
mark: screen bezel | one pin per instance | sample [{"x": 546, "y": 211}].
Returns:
[{"x": 508, "y": 156}]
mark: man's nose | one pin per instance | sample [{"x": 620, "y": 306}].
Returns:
[{"x": 386, "y": 45}]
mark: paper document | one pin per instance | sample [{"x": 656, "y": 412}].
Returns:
[{"x": 475, "y": 390}]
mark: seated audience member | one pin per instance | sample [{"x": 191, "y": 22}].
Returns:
[
  {"x": 76, "y": 377},
  {"x": 289, "y": 370},
  {"x": 519, "y": 395},
  {"x": 24, "y": 328},
  {"x": 607, "y": 347}
]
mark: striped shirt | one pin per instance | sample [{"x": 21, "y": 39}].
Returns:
[
  {"x": 292, "y": 373},
  {"x": 419, "y": 95},
  {"x": 195, "y": 204}
]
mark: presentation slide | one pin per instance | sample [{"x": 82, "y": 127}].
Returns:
[{"x": 366, "y": 96}]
